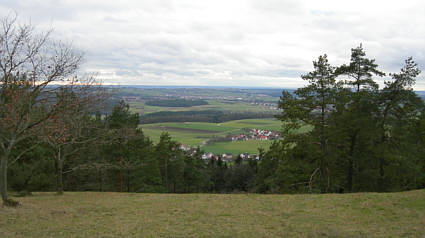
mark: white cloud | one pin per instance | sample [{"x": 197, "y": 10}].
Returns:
[{"x": 240, "y": 42}]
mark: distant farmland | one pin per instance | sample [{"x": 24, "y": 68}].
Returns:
[
  {"x": 218, "y": 105},
  {"x": 198, "y": 133}
]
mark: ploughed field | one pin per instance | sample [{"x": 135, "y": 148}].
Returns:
[
  {"x": 199, "y": 133},
  {"x": 96, "y": 214}
]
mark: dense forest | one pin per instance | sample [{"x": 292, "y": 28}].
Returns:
[{"x": 363, "y": 138}]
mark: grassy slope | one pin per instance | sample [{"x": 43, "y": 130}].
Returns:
[{"x": 90, "y": 214}]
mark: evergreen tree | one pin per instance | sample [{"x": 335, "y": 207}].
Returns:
[
  {"x": 122, "y": 125},
  {"x": 398, "y": 112},
  {"x": 312, "y": 105},
  {"x": 357, "y": 110},
  {"x": 165, "y": 152}
]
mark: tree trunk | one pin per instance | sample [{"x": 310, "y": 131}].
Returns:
[
  {"x": 174, "y": 186},
  {"x": 128, "y": 180},
  {"x": 121, "y": 179},
  {"x": 59, "y": 179},
  {"x": 3, "y": 176},
  {"x": 100, "y": 180},
  {"x": 59, "y": 172},
  {"x": 350, "y": 175},
  {"x": 351, "y": 163},
  {"x": 166, "y": 175},
  {"x": 323, "y": 185},
  {"x": 381, "y": 184}
]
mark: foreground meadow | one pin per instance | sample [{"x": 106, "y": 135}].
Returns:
[{"x": 94, "y": 214}]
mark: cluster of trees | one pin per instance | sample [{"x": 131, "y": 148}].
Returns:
[
  {"x": 363, "y": 138},
  {"x": 200, "y": 116},
  {"x": 176, "y": 103},
  {"x": 118, "y": 157}
]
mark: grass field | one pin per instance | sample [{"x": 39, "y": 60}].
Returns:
[
  {"x": 219, "y": 105},
  {"x": 195, "y": 133},
  {"x": 91, "y": 214}
]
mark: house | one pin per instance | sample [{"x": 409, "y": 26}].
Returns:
[
  {"x": 184, "y": 147},
  {"x": 207, "y": 156},
  {"x": 227, "y": 157}
]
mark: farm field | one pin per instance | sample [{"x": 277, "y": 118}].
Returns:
[
  {"x": 268, "y": 95},
  {"x": 197, "y": 133},
  {"x": 218, "y": 105},
  {"x": 95, "y": 214},
  {"x": 219, "y": 99}
]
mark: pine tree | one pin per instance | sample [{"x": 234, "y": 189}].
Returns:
[
  {"x": 356, "y": 111},
  {"x": 397, "y": 116},
  {"x": 312, "y": 105}
]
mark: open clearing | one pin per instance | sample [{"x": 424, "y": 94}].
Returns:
[{"x": 95, "y": 214}]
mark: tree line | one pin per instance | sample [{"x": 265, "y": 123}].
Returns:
[{"x": 119, "y": 157}]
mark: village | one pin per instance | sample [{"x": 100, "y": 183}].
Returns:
[{"x": 254, "y": 134}]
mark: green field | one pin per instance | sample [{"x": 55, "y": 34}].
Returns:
[
  {"x": 94, "y": 214},
  {"x": 218, "y": 105},
  {"x": 197, "y": 133}
]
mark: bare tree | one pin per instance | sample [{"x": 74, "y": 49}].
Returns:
[
  {"x": 32, "y": 67},
  {"x": 72, "y": 129}
]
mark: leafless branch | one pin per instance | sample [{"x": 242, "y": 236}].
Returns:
[
  {"x": 24, "y": 152},
  {"x": 310, "y": 184}
]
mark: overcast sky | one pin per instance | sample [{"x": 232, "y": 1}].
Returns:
[{"x": 267, "y": 43}]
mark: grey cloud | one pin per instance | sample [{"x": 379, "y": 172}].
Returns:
[{"x": 246, "y": 42}]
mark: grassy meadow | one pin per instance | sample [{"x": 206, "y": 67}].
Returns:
[
  {"x": 95, "y": 214},
  {"x": 197, "y": 133}
]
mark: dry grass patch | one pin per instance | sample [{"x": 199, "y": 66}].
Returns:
[{"x": 91, "y": 214}]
